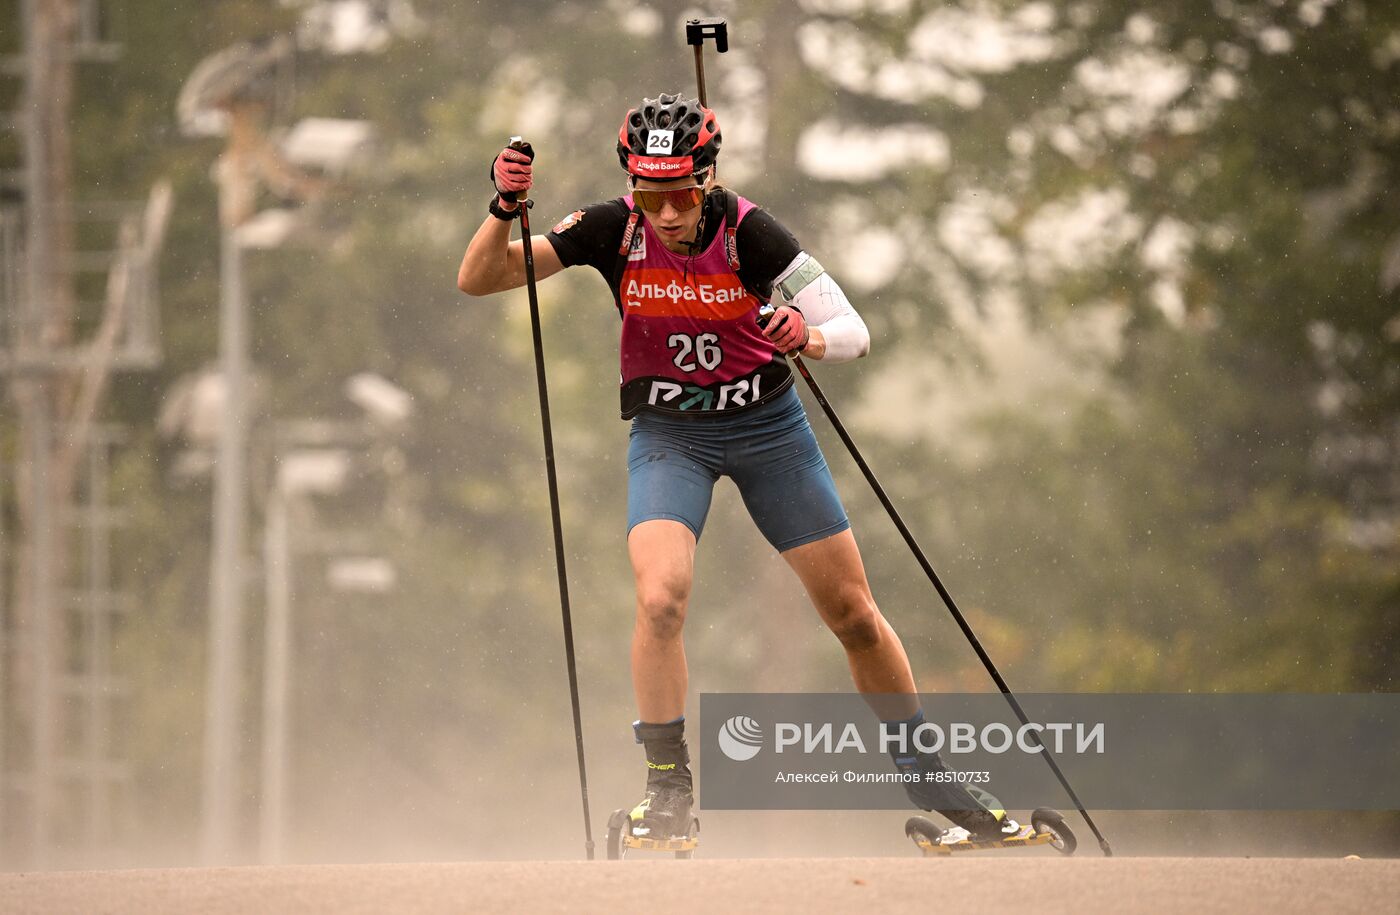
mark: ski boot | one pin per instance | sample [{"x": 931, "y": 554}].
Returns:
[
  {"x": 979, "y": 821},
  {"x": 662, "y": 820}
]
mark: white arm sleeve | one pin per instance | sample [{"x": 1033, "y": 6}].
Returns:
[{"x": 806, "y": 285}]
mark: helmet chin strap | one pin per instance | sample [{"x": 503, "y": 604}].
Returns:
[{"x": 695, "y": 246}]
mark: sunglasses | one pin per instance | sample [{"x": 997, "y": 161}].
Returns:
[{"x": 680, "y": 198}]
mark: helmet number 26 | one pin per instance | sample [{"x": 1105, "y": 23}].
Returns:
[{"x": 704, "y": 346}]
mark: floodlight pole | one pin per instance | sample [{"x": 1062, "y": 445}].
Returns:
[
  {"x": 247, "y": 156},
  {"x": 277, "y": 664},
  {"x": 223, "y": 710}
]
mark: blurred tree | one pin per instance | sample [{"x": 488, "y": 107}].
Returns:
[{"x": 1117, "y": 224}]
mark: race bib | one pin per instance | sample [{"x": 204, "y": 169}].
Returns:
[{"x": 659, "y": 142}]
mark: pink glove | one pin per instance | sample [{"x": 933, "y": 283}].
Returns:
[
  {"x": 511, "y": 172},
  {"x": 787, "y": 329}
]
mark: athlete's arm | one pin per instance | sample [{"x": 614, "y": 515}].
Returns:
[
  {"x": 837, "y": 332},
  {"x": 494, "y": 263},
  {"x": 772, "y": 263}
]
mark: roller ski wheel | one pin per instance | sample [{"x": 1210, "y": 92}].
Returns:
[
  {"x": 1050, "y": 822},
  {"x": 1047, "y": 827},
  {"x": 622, "y": 838}
]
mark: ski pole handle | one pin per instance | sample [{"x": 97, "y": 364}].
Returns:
[{"x": 517, "y": 143}]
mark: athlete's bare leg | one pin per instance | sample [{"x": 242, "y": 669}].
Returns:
[
  {"x": 834, "y": 576},
  {"x": 663, "y": 563}
]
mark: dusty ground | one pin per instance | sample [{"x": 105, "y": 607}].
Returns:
[{"x": 1049, "y": 884}]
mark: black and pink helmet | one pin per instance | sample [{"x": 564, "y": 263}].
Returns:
[{"x": 668, "y": 137}]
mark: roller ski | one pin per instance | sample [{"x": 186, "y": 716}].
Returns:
[
  {"x": 979, "y": 821},
  {"x": 662, "y": 820},
  {"x": 1047, "y": 827}
]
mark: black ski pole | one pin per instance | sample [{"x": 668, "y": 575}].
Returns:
[
  {"x": 523, "y": 208},
  {"x": 943, "y": 593}
]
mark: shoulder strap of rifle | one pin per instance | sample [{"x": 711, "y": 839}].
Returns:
[
  {"x": 624, "y": 249},
  {"x": 731, "y": 228}
]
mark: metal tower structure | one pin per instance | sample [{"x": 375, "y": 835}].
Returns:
[{"x": 63, "y": 267}]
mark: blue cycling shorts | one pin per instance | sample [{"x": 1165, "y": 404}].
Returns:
[{"x": 769, "y": 452}]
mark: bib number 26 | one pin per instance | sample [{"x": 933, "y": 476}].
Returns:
[{"x": 704, "y": 347}]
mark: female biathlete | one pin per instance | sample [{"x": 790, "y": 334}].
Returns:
[{"x": 710, "y": 394}]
